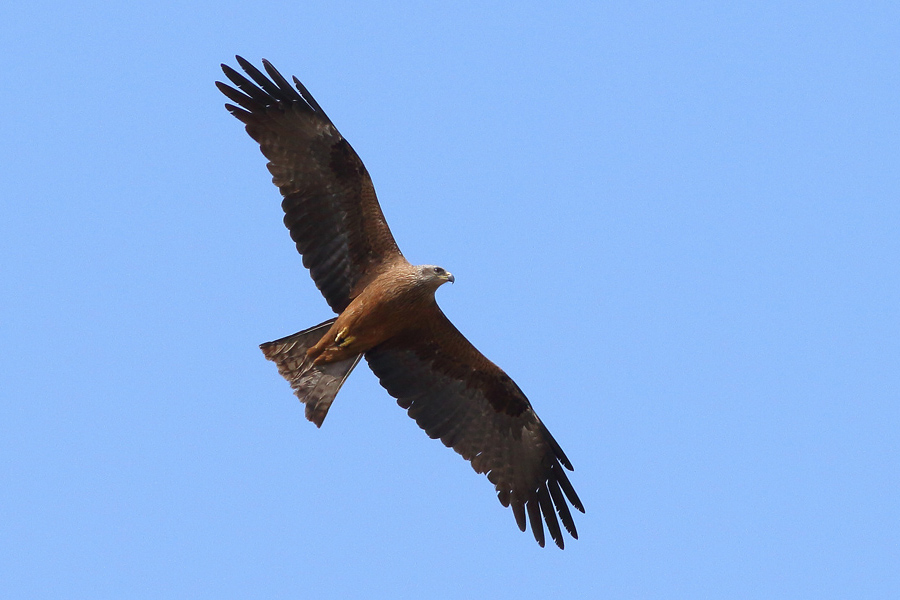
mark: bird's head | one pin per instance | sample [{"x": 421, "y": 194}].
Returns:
[{"x": 434, "y": 276}]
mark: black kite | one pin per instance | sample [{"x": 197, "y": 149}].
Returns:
[{"x": 387, "y": 311}]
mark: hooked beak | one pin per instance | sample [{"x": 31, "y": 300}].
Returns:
[{"x": 450, "y": 277}]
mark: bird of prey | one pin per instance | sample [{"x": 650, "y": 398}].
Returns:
[{"x": 386, "y": 310}]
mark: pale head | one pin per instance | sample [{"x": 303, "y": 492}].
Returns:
[{"x": 433, "y": 276}]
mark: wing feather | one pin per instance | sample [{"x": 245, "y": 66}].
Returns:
[
  {"x": 457, "y": 395},
  {"x": 329, "y": 201}
]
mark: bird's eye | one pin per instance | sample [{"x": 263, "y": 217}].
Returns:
[{"x": 438, "y": 270}]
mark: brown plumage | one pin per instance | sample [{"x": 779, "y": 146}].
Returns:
[{"x": 387, "y": 311}]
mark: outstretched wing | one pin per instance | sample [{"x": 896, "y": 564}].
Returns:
[
  {"x": 456, "y": 394},
  {"x": 329, "y": 200}
]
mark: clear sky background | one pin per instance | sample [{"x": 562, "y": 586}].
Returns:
[{"x": 675, "y": 225}]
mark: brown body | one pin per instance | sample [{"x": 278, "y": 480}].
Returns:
[
  {"x": 390, "y": 304},
  {"x": 387, "y": 311}
]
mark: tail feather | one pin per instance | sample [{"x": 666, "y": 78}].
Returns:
[{"x": 315, "y": 385}]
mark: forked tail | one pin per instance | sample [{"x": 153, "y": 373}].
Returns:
[{"x": 315, "y": 385}]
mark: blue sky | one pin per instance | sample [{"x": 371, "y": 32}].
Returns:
[{"x": 675, "y": 225}]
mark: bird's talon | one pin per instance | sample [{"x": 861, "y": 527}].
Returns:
[{"x": 342, "y": 339}]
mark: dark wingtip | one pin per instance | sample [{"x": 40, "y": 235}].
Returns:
[
  {"x": 557, "y": 449},
  {"x": 224, "y": 87},
  {"x": 518, "y": 508},
  {"x": 546, "y": 504},
  {"x": 568, "y": 490},
  {"x": 534, "y": 517}
]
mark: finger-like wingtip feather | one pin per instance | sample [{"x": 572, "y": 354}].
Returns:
[
  {"x": 261, "y": 80},
  {"x": 235, "y": 96},
  {"x": 247, "y": 87},
  {"x": 518, "y": 508},
  {"x": 550, "y": 517},
  {"x": 557, "y": 450},
  {"x": 562, "y": 508},
  {"x": 307, "y": 96},
  {"x": 534, "y": 517},
  {"x": 568, "y": 489},
  {"x": 281, "y": 82},
  {"x": 239, "y": 113}
]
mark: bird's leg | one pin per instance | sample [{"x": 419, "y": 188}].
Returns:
[{"x": 342, "y": 340}]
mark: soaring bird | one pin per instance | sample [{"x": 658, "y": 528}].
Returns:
[{"x": 386, "y": 310}]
